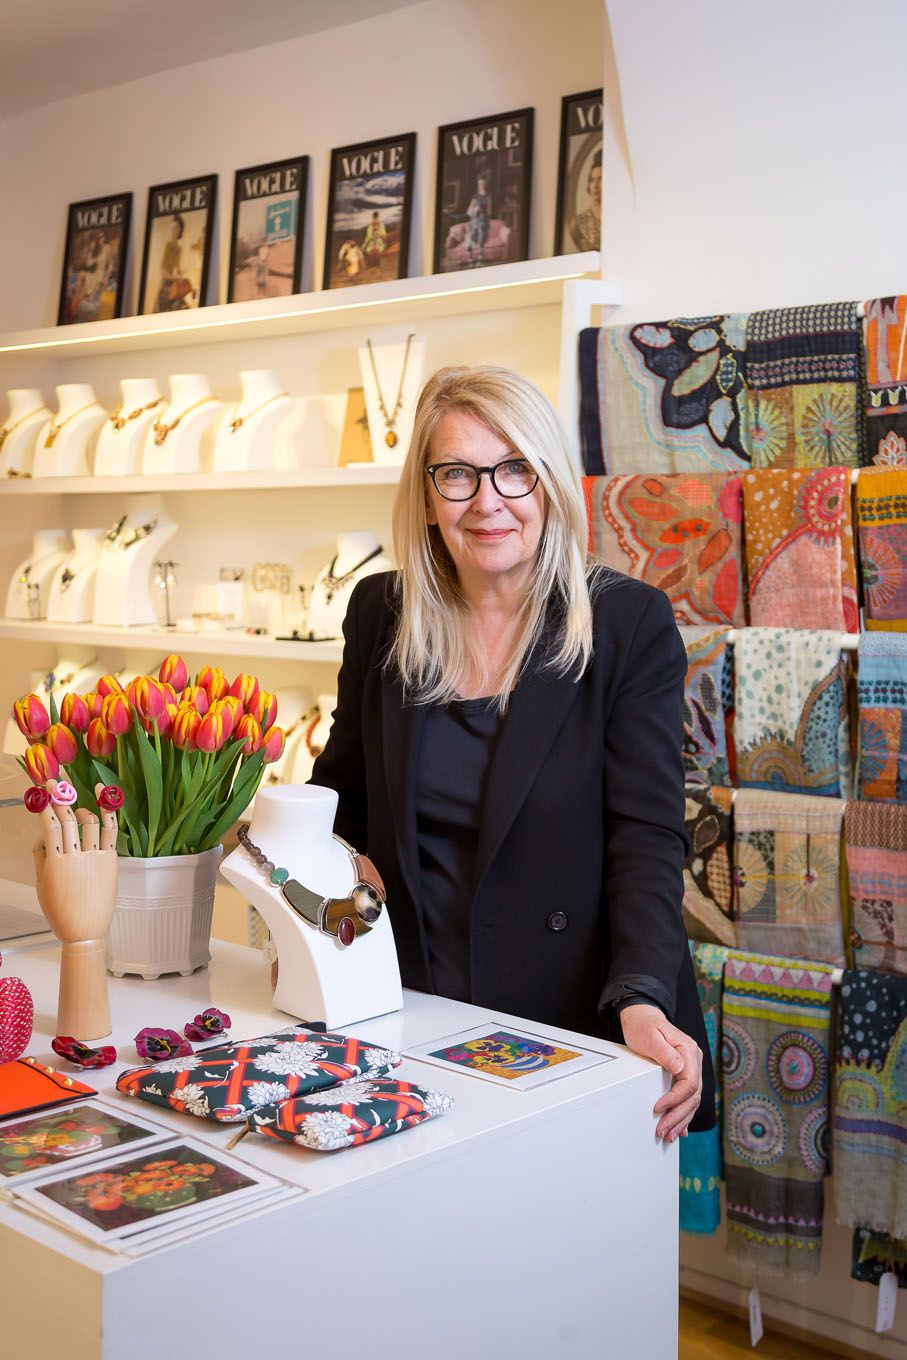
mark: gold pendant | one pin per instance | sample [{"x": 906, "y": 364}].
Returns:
[
  {"x": 51, "y": 436},
  {"x": 390, "y": 439},
  {"x": 160, "y": 433},
  {"x": 235, "y": 424}
]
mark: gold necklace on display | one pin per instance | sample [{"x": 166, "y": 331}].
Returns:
[
  {"x": 119, "y": 421},
  {"x": 6, "y": 430},
  {"x": 391, "y": 437},
  {"x": 163, "y": 428},
  {"x": 236, "y": 420},
  {"x": 57, "y": 425}
]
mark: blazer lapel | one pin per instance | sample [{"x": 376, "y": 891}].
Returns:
[{"x": 401, "y": 727}]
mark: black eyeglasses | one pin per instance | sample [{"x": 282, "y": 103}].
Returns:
[{"x": 461, "y": 481}]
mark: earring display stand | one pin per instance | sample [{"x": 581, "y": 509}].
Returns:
[
  {"x": 66, "y": 441},
  {"x": 247, "y": 435},
  {"x": 318, "y": 979},
  {"x": 358, "y": 555},
  {"x": 28, "y": 414},
  {"x": 71, "y": 598},
  {"x": 123, "y": 595},
  {"x": 392, "y": 375},
  {"x": 175, "y": 438},
  {"x": 122, "y": 439},
  {"x": 49, "y": 548}
]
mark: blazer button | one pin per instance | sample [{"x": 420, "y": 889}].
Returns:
[{"x": 557, "y": 921}]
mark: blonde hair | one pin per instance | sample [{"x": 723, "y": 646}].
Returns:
[{"x": 433, "y": 647}]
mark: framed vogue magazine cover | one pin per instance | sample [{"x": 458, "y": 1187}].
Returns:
[
  {"x": 579, "y": 174},
  {"x": 267, "y": 235},
  {"x": 94, "y": 261},
  {"x": 177, "y": 252},
  {"x": 369, "y": 209},
  {"x": 483, "y": 192}
]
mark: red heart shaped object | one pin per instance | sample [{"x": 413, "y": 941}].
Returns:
[{"x": 16, "y": 1018}]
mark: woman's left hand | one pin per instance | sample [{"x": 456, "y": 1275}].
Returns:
[{"x": 648, "y": 1032}]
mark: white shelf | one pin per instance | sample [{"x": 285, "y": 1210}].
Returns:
[
  {"x": 165, "y": 640},
  {"x": 271, "y": 479},
  {"x": 528, "y": 283}
]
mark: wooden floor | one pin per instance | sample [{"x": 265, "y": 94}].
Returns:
[{"x": 708, "y": 1334}]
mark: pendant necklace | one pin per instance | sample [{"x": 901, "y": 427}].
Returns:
[
  {"x": 114, "y": 531},
  {"x": 330, "y": 583},
  {"x": 119, "y": 421},
  {"x": 66, "y": 580},
  {"x": 391, "y": 437},
  {"x": 25, "y": 574},
  {"x": 163, "y": 428},
  {"x": 236, "y": 420},
  {"x": 6, "y": 430},
  {"x": 57, "y": 425},
  {"x": 137, "y": 534}
]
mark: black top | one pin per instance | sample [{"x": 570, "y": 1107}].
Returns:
[{"x": 454, "y": 758}]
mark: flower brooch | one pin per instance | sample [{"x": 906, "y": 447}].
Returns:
[
  {"x": 80, "y": 1055},
  {"x": 156, "y": 1045}
]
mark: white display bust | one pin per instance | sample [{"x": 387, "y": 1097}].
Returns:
[
  {"x": 122, "y": 439},
  {"x": 387, "y": 372},
  {"x": 66, "y": 441},
  {"x": 174, "y": 440},
  {"x": 71, "y": 598},
  {"x": 123, "y": 587},
  {"x": 28, "y": 414},
  {"x": 358, "y": 555},
  {"x": 247, "y": 435},
  {"x": 318, "y": 979},
  {"x": 49, "y": 548}
]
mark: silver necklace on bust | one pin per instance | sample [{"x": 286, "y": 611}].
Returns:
[{"x": 331, "y": 584}]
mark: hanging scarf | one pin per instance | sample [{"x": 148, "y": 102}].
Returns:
[
  {"x": 707, "y": 884},
  {"x": 799, "y": 549},
  {"x": 882, "y": 526},
  {"x": 791, "y": 719},
  {"x": 775, "y": 1024},
  {"x": 704, "y": 740},
  {"x": 700, "y": 1153},
  {"x": 885, "y": 344},
  {"x": 870, "y": 1104},
  {"x": 803, "y": 371},
  {"x": 873, "y": 1254},
  {"x": 882, "y": 695},
  {"x": 680, "y": 533},
  {"x": 875, "y": 841},
  {"x": 664, "y": 397}
]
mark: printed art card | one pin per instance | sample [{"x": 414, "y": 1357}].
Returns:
[
  {"x": 510, "y": 1057},
  {"x": 77, "y": 1133}
]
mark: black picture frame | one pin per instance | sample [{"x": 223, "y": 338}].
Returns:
[
  {"x": 96, "y": 253},
  {"x": 191, "y": 202},
  {"x": 268, "y": 215},
  {"x": 361, "y": 174},
  {"x": 497, "y": 149},
  {"x": 580, "y": 144}
]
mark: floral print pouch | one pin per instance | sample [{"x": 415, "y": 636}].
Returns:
[
  {"x": 230, "y": 1081},
  {"x": 347, "y": 1115}
]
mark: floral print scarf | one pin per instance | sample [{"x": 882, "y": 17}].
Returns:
[
  {"x": 882, "y": 696},
  {"x": 882, "y": 527},
  {"x": 885, "y": 346},
  {"x": 875, "y": 843}
]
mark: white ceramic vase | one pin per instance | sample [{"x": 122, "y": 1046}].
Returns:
[{"x": 162, "y": 919}]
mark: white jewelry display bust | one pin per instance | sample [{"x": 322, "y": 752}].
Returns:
[
  {"x": 71, "y": 597},
  {"x": 303, "y": 762},
  {"x": 77, "y": 422},
  {"x": 392, "y": 365},
  {"x": 76, "y": 669},
  {"x": 181, "y": 448},
  {"x": 247, "y": 434},
  {"x": 122, "y": 440},
  {"x": 328, "y": 600},
  {"x": 318, "y": 979},
  {"x": 49, "y": 548},
  {"x": 123, "y": 585},
  {"x": 28, "y": 414}
]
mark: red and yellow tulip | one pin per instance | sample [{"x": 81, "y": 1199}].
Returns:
[
  {"x": 99, "y": 740},
  {"x": 273, "y": 744},
  {"x": 263, "y": 709},
  {"x": 75, "y": 713},
  {"x": 116, "y": 713},
  {"x": 32, "y": 718},
  {"x": 174, "y": 672},
  {"x": 212, "y": 732},
  {"x": 248, "y": 731},
  {"x": 41, "y": 763},
  {"x": 63, "y": 743}
]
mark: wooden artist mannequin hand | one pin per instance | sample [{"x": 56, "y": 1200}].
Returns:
[
  {"x": 77, "y": 890},
  {"x": 648, "y": 1032}
]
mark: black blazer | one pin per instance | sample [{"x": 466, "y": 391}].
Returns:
[{"x": 579, "y": 863}]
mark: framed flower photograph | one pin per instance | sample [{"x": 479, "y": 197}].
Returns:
[
  {"x": 266, "y": 239},
  {"x": 369, "y": 210},
  {"x": 94, "y": 261},
  {"x": 510, "y": 1057},
  {"x": 75, "y": 1134},
  {"x": 579, "y": 174},
  {"x": 483, "y": 192},
  {"x": 177, "y": 251}
]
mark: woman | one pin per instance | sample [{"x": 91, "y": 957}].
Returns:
[{"x": 506, "y": 743}]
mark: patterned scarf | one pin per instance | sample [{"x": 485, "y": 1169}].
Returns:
[
  {"x": 708, "y": 895},
  {"x": 704, "y": 740},
  {"x": 870, "y": 1104},
  {"x": 885, "y": 343},
  {"x": 680, "y": 533},
  {"x": 775, "y": 1025},
  {"x": 875, "y": 841},
  {"x": 700, "y": 1153},
  {"x": 803, "y": 371},
  {"x": 799, "y": 549},
  {"x": 664, "y": 397},
  {"x": 787, "y": 866},
  {"x": 791, "y": 718},
  {"x": 882, "y": 695},
  {"x": 882, "y": 525}
]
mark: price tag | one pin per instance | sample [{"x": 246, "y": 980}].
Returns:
[
  {"x": 888, "y": 1297},
  {"x": 755, "y": 1304}
]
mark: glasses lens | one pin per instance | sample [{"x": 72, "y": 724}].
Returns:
[
  {"x": 515, "y": 478},
  {"x": 456, "y": 481}
]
